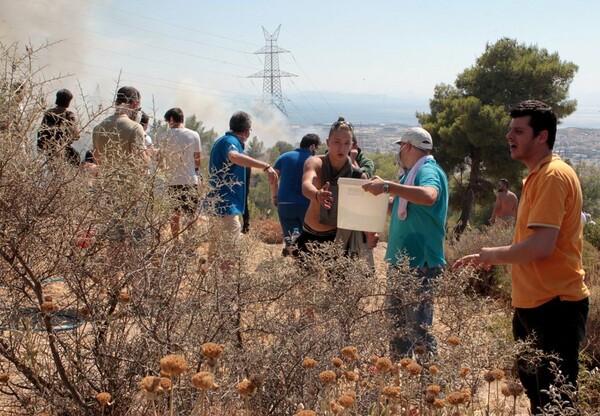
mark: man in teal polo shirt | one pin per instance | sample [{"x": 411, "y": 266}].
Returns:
[{"x": 417, "y": 230}]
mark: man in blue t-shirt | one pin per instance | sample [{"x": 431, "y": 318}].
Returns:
[
  {"x": 416, "y": 233},
  {"x": 287, "y": 197},
  {"x": 227, "y": 178}
]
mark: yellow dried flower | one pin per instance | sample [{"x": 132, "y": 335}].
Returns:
[
  {"x": 306, "y": 413},
  {"x": 392, "y": 392},
  {"x": 337, "y": 362},
  {"x": 212, "y": 350},
  {"x": 309, "y": 363},
  {"x": 48, "y": 298},
  {"x": 151, "y": 387},
  {"x": 334, "y": 407},
  {"x": 350, "y": 353},
  {"x": 166, "y": 383},
  {"x": 246, "y": 389},
  {"x": 498, "y": 374},
  {"x": 351, "y": 375},
  {"x": 453, "y": 340},
  {"x": 515, "y": 389},
  {"x": 103, "y": 398},
  {"x": 405, "y": 362},
  {"x": 433, "y": 370},
  {"x": 464, "y": 371},
  {"x": 204, "y": 380},
  {"x": 85, "y": 312},
  {"x": 4, "y": 377},
  {"x": 351, "y": 393},
  {"x": 174, "y": 365},
  {"x": 505, "y": 391},
  {"x": 455, "y": 398},
  {"x": 48, "y": 306},
  {"x": 439, "y": 403},
  {"x": 433, "y": 389},
  {"x": 373, "y": 359},
  {"x": 346, "y": 401},
  {"x": 327, "y": 376},
  {"x": 384, "y": 365},
  {"x": 414, "y": 369},
  {"x": 489, "y": 377},
  {"x": 149, "y": 383}
]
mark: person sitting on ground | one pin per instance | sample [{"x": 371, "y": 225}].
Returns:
[{"x": 506, "y": 204}]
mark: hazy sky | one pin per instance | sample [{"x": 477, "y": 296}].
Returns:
[{"x": 197, "y": 54}]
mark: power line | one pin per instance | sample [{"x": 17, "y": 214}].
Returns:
[{"x": 272, "y": 75}]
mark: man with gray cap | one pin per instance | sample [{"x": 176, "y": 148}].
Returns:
[{"x": 417, "y": 230}]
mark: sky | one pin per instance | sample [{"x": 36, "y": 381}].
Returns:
[{"x": 358, "y": 58}]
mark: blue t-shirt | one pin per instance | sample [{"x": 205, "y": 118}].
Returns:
[
  {"x": 421, "y": 234},
  {"x": 291, "y": 166},
  {"x": 227, "y": 180}
]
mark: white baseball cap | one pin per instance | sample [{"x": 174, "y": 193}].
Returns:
[{"x": 418, "y": 137}]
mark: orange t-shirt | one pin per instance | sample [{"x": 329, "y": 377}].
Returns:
[{"x": 552, "y": 198}]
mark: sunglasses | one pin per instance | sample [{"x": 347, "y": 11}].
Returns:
[{"x": 339, "y": 123}]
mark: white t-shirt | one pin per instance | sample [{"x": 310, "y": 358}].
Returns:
[{"x": 177, "y": 147}]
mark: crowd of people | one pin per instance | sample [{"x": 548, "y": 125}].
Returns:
[{"x": 549, "y": 295}]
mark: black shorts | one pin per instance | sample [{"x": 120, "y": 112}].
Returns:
[
  {"x": 184, "y": 198},
  {"x": 308, "y": 235}
]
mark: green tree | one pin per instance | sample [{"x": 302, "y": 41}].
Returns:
[
  {"x": 255, "y": 148},
  {"x": 589, "y": 177},
  {"x": 468, "y": 120},
  {"x": 278, "y": 149},
  {"x": 207, "y": 137}
]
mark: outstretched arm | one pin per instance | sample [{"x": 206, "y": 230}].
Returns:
[
  {"x": 249, "y": 162},
  {"x": 535, "y": 248}
]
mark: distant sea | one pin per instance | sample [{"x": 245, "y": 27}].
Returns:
[{"x": 312, "y": 108}]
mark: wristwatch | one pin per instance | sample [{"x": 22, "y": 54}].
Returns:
[{"x": 385, "y": 188}]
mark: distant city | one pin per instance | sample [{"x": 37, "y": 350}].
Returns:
[{"x": 379, "y": 119}]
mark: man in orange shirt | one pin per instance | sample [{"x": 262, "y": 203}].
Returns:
[{"x": 549, "y": 295}]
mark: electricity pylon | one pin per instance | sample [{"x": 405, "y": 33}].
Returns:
[{"x": 271, "y": 75}]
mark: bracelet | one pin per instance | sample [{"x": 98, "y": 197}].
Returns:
[{"x": 267, "y": 168}]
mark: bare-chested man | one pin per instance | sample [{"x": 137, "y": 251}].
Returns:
[
  {"x": 319, "y": 185},
  {"x": 506, "y": 204}
]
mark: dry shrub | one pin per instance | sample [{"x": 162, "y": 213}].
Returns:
[
  {"x": 493, "y": 282},
  {"x": 269, "y": 231}
]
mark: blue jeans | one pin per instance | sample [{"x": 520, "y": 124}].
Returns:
[
  {"x": 291, "y": 216},
  {"x": 556, "y": 327},
  {"x": 412, "y": 313}
]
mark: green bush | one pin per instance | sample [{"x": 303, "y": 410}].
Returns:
[{"x": 591, "y": 234}]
